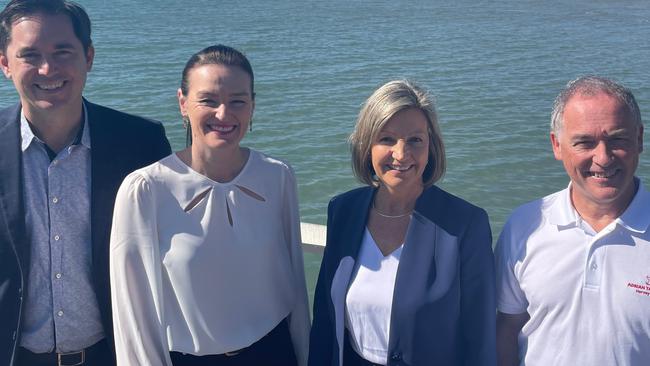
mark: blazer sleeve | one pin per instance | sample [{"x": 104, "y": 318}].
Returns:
[
  {"x": 135, "y": 274},
  {"x": 478, "y": 304},
  {"x": 299, "y": 322},
  {"x": 322, "y": 329}
]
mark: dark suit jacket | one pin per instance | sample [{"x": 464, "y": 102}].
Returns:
[
  {"x": 120, "y": 143},
  {"x": 443, "y": 310}
]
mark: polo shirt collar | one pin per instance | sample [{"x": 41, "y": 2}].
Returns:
[
  {"x": 27, "y": 135},
  {"x": 635, "y": 218},
  {"x": 561, "y": 211}
]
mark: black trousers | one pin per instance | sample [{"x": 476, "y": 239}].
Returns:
[
  {"x": 350, "y": 356},
  {"x": 274, "y": 349},
  {"x": 99, "y": 354}
]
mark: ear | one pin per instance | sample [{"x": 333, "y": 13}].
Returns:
[
  {"x": 4, "y": 64},
  {"x": 555, "y": 142},
  {"x": 640, "y": 137},
  {"x": 181, "y": 102},
  {"x": 90, "y": 57}
]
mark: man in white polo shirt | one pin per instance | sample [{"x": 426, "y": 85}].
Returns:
[{"x": 573, "y": 268}]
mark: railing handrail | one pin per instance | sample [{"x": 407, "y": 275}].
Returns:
[{"x": 313, "y": 237}]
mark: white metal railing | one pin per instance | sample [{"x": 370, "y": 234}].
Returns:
[{"x": 313, "y": 237}]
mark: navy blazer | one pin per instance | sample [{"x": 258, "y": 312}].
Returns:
[
  {"x": 443, "y": 310},
  {"x": 120, "y": 143}
]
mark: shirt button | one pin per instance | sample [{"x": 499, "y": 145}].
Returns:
[
  {"x": 56, "y": 237},
  {"x": 594, "y": 266},
  {"x": 58, "y": 275},
  {"x": 55, "y": 200},
  {"x": 60, "y": 313}
]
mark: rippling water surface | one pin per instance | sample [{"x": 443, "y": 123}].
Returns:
[{"x": 494, "y": 68}]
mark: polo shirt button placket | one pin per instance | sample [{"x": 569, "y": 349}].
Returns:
[{"x": 592, "y": 274}]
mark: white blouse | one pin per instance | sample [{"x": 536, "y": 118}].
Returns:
[
  {"x": 369, "y": 301},
  {"x": 202, "y": 267}
]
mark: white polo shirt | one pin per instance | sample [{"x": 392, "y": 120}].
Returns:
[{"x": 587, "y": 293}]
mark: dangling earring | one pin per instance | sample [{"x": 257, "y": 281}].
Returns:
[
  {"x": 188, "y": 131},
  {"x": 250, "y": 126}
]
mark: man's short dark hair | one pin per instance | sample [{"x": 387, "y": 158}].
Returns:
[{"x": 17, "y": 9}]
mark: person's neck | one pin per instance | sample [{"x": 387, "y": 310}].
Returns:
[
  {"x": 55, "y": 128},
  {"x": 220, "y": 165},
  {"x": 599, "y": 216},
  {"x": 396, "y": 202}
]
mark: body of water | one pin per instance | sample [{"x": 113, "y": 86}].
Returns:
[{"x": 494, "y": 67}]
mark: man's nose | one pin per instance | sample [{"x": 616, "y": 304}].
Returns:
[
  {"x": 602, "y": 154},
  {"x": 45, "y": 66}
]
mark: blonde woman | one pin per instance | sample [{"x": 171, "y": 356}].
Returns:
[{"x": 407, "y": 275}]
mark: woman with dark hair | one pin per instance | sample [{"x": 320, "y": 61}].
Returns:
[
  {"x": 205, "y": 245},
  {"x": 407, "y": 276}
]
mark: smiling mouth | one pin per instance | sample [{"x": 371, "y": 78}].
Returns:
[
  {"x": 50, "y": 86},
  {"x": 399, "y": 168},
  {"x": 603, "y": 175},
  {"x": 222, "y": 129}
]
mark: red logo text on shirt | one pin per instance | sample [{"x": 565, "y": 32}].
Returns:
[{"x": 639, "y": 288}]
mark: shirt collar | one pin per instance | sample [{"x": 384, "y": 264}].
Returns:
[
  {"x": 26, "y": 133},
  {"x": 636, "y": 216},
  {"x": 561, "y": 211},
  {"x": 28, "y": 136}
]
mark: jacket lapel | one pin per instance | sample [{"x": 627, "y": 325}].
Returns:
[
  {"x": 104, "y": 173},
  {"x": 11, "y": 194},
  {"x": 417, "y": 271},
  {"x": 351, "y": 228}
]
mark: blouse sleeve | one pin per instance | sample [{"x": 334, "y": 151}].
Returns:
[
  {"x": 299, "y": 322},
  {"x": 478, "y": 306},
  {"x": 135, "y": 274}
]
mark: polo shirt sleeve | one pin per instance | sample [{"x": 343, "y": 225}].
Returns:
[
  {"x": 511, "y": 299},
  {"x": 135, "y": 273}
]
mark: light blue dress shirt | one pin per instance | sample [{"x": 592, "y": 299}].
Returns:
[{"x": 61, "y": 310}]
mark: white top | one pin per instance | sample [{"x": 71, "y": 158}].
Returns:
[
  {"x": 211, "y": 280},
  {"x": 587, "y": 293},
  {"x": 369, "y": 301}
]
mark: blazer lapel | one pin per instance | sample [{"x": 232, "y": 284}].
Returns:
[
  {"x": 351, "y": 228},
  {"x": 98, "y": 168},
  {"x": 417, "y": 272},
  {"x": 355, "y": 225},
  {"x": 104, "y": 175},
  {"x": 11, "y": 193}
]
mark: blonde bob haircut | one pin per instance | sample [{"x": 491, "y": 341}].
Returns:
[{"x": 381, "y": 106}]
